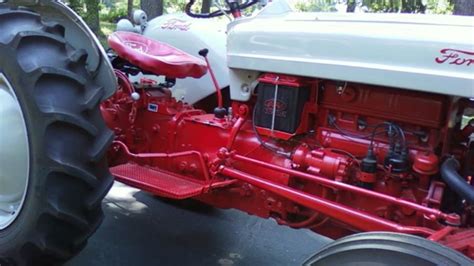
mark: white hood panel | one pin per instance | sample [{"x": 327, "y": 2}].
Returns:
[{"x": 418, "y": 52}]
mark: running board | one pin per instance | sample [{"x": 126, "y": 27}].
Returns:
[{"x": 163, "y": 183}]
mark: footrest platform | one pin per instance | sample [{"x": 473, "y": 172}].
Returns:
[{"x": 163, "y": 183}]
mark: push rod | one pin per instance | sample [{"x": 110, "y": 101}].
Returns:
[
  {"x": 452, "y": 218},
  {"x": 355, "y": 218}
]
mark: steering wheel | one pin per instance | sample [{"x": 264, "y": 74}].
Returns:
[{"x": 234, "y": 8}]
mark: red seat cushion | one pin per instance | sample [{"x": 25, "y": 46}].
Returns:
[{"x": 156, "y": 57}]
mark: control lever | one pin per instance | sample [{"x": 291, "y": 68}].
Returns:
[{"x": 219, "y": 111}]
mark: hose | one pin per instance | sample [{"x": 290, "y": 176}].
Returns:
[{"x": 456, "y": 182}]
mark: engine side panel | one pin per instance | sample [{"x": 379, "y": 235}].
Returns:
[{"x": 422, "y": 109}]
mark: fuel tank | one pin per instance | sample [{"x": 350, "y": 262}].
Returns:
[
  {"x": 431, "y": 53},
  {"x": 191, "y": 35}
]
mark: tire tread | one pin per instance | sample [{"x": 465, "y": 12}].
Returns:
[{"x": 64, "y": 222}]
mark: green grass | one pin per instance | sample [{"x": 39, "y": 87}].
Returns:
[
  {"x": 465, "y": 120},
  {"x": 106, "y": 28}
]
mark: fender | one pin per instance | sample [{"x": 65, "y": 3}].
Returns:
[{"x": 78, "y": 34}]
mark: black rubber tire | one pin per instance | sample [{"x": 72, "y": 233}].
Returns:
[
  {"x": 383, "y": 248},
  {"x": 68, "y": 140}
]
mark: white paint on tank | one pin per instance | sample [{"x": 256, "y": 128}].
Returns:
[{"x": 191, "y": 35}]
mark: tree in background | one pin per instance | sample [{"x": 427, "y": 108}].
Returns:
[
  {"x": 91, "y": 16},
  {"x": 153, "y": 8},
  {"x": 206, "y": 6},
  {"x": 129, "y": 8},
  {"x": 112, "y": 10},
  {"x": 400, "y": 6},
  {"x": 77, "y": 6},
  {"x": 464, "y": 7}
]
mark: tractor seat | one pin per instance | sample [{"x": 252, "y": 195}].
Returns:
[{"x": 156, "y": 57}]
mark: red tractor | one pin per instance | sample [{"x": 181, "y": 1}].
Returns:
[{"x": 354, "y": 126}]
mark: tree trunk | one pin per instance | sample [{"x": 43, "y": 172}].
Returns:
[
  {"x": 153, "y": 8},
  {"x": 351, "y": 5},
  {"x": 206, "y": 6},
  {"x": 464, "y": 7},
  {"x": 130, "y": 9},
  {"x": 92, "y": 15}
]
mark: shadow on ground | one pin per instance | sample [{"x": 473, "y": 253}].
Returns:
[{"x": 140, "y": 229}]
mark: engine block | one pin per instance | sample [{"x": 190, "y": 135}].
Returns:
[{"x": 360, "y": 158}]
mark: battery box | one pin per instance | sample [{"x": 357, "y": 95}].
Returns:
[{"x": 291, "y": 94}]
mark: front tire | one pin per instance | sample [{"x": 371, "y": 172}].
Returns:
[
  {"x": 385, "y": 248},
  {"x": 67, "y": 141}
]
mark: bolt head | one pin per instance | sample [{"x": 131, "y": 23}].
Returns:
[{"x": 135, "y": 96}]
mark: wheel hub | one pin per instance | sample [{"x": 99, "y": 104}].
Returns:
[{"x": 14, "y": 155}]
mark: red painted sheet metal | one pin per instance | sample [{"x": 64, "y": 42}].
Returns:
[
  {"x": 157, "y": 181},
  {"x": 156, "y": 57}
]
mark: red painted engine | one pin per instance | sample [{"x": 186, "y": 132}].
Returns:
[{"x": 335, "y": 157}]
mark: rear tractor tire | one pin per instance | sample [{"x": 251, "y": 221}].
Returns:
[{"x": 53, "y": 141}]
